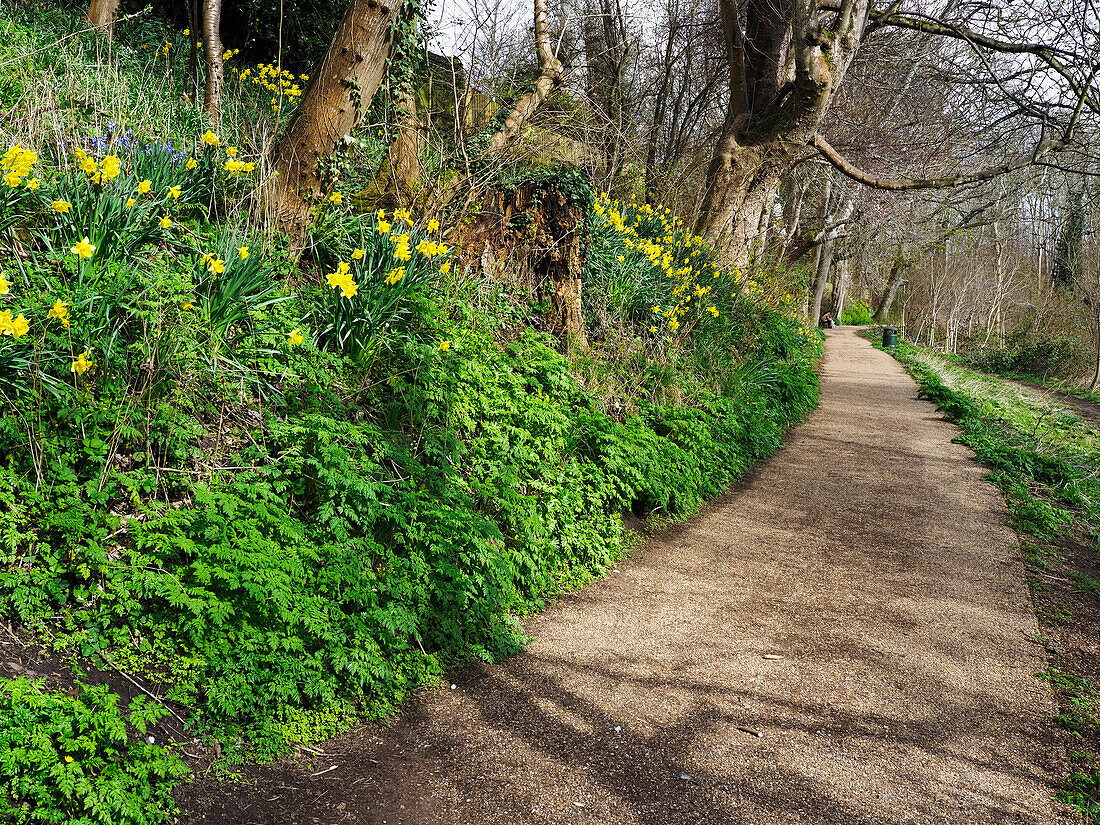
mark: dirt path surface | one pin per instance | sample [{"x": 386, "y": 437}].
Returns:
[{"x": 843, "y": 638}]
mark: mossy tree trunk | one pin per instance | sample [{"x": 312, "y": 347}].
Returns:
[
  {"x": 893, "y": 285},
  {"x": 333, "y": 105},
  {"x": 785, "y": 61},
  {"x": 532, "y": 239},
  {"x": 403, "y": 158}
]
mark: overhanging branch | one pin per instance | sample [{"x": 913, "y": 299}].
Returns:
[{"x": 906, "y": 184}]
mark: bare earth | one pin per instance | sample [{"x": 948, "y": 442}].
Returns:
[{"x": 843, "y": 638}]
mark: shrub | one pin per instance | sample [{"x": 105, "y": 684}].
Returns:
[{"x": 856, "y": 313}]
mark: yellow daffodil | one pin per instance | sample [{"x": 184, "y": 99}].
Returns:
[
  {"x": 295, "y": 337},
  {"x": 33, "y": 184},
  {"x": 444, "y": 346},
  {"x": 174, "y": 192},
  {"x": 82, "y": 363},
  {"x": 433, "y": 225},
  {"x": 186, "y": 32},
  {"x": 384, "y": 227},
  {"x": 144, "y": 187},
  {"x": 242, "y": 251},
  {"x": 60, "y": 311},
  {"x": 395, "y": 276},
  {"x": 130, "y": 202},
  {"x": 209, "y": 138},
  {"x": 231, "y": 151},
  {"x": 186, "y": 305},
  {"x": 110, "y": 167},
  {"x": 165, "y": 222},
  {"x": 336, "y": 197},
  {"x": 15, "y": 327},
  {"x": 358, "y": 254},
  {"x": 192, "y": 163},
  {"x": 217, "y": 266},
  {"x": 443, "y": 270},
  {"x": 5, "y": 285},
  {"x": 83, "y": 248}
]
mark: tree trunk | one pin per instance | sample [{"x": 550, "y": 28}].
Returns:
[
  {"x": 892, "y": 286},
  {"x": 741, "y": 181},
  {"x": 528, "y": 104},
  {"x": 212, "y": 53},
  {"x": 101, "y": 14},
  {"x": 780, "y": 86},
  {"x": 333, "y": 105},
  {"x": 403, "y": 159},
  {"x": 844, "y": 279},
  {"x": 1096, "y": 374},
  {"x": 658, "y": 116},
  {"x": 540, "y": 255},
  {"x": 823, "y": 269}
]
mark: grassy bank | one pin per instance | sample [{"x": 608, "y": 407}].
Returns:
[{"x": 249, "y": 499}]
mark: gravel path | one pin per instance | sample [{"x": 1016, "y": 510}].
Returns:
[{"x": 842, "y": 638}]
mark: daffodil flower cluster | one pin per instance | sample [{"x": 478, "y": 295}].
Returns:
[
  {"x": 16, "y": 164},
  {"x": 232, "y": 164},
  {"x": 214, "y": 264},
  {"x": 83, "y": 363},
  {"x": 368, "y": 288},
  {"x": 17, "y": 326},
  {"x": 344, "y": 280},
  {"x": 281, "y": 83},
  {"x": 682, "y": 262}
]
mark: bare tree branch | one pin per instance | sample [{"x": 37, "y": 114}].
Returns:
[{"x": 904, "y": 184}]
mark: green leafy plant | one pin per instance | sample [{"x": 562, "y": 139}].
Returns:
[
  {"x": 79, "y": 759},
  {"x": 856, "y": 313}
]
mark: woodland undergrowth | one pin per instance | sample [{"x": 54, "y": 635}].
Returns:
[{"x": 278, "y": 495}]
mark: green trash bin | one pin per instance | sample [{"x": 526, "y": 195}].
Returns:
[{"x": 889, "y": 336}]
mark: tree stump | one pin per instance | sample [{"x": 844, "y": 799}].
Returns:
[{"x": 532, "y": 239}]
